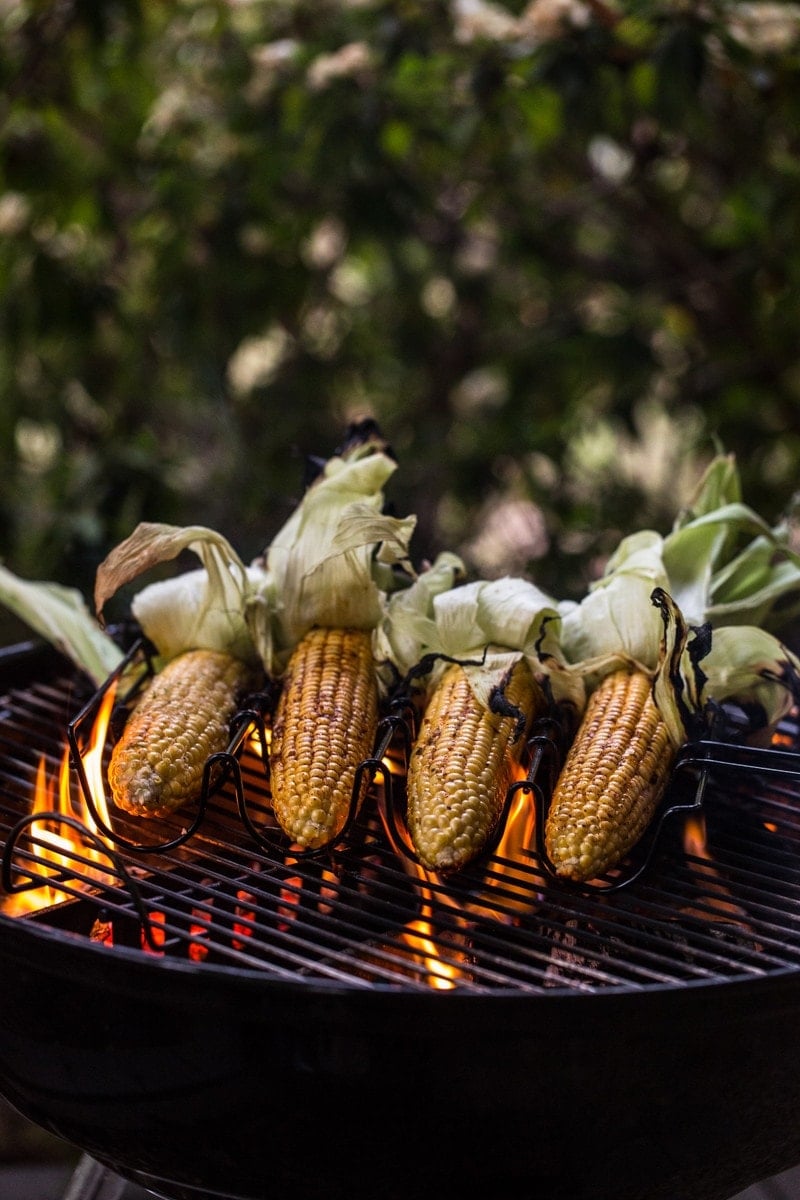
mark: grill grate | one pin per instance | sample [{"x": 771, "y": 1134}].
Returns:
[{"x": 363, "y": 916}]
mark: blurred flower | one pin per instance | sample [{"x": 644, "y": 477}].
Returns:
[
  {"x": 168, "y": 110},
  {"x": 350, "y": 283},
  {"x": 326, "y": 243},
  {"x": 438, "y": 297},
  {"x": 658, "y": 459},
  {"x": 544, "y": 20},
  {"x": 256, "y": 360},
  {"x": 610, "y": 160},
  {"x": 271, "y": 55},
  {"x": 268, "y": 61},
  {"x": 474, "y": 19},
  {"x": 765, "y": 28},
  {"x": 350, "y": 60},
  {"x": 478, "y": 250},
  {"x": 14, "y": 212},
  {"x": 485, "y": 388},
  {"x": 323, "y": 330},
  {"x": 38, "y": 444},
  {"x": 541, "y": 21},
  {"x": 510, "y": 533}
]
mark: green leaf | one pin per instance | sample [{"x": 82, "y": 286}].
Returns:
[{"x": 61, "y": 616}]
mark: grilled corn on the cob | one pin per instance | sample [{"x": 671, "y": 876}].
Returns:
[
  {"x": 462, "y": 765},
  {"x": 325, "y": 725},
  {"x": 157, "y": 765},
  {"x": 613, "y": 777}
]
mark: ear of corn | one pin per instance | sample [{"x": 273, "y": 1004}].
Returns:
[
  {"x": 183, "y": 717},
  {"x": 462, "y": 765},
  {"x": 325, "y": 725},
  {"x": 613, "y": 777}
]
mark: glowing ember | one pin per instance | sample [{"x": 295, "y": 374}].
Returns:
[
  {"x": 291, "y": 891},
  {"x": 198, "y": 930},
  {"x": 245, "y": 916},
  {"x": 157, "y": 935}
]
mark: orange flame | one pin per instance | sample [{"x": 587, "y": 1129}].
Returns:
[
  {"x": 507, "y": 874},
  {"x": 720, "y": 905},
  {"x": 58, "y": 844},
  {"x": 253, "y": 741},
  {"x": 418, "y": 938}
]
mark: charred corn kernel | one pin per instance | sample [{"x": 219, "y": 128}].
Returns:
[
  {"x": 462, "y": 766},
  {"x": 325, "y": 725},
  {"x": 612, "y": 779},
  {"x": 157, "y": 765}
]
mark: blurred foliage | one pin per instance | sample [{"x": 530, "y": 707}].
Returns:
[{"x": 553, "y": 248}]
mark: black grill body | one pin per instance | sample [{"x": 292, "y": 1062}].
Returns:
[{"x": 282, "y": 1035}]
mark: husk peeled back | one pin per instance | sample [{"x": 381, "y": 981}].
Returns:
[
  {"x": 203, "y": 609},
  {"x": 725, "y": 563},
  {"x": 615, "y": 624},
  {"x": 487, "y": 625},
  {"x": 702, "y": 669},
  {"x": 330, "y": 564},
  {"x": 333, "y": 563},
  {"x": 721, "y": 565},
  {"x": 61, "y": 616}
]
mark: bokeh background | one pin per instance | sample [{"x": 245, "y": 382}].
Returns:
[{"x": 552, "y": 247}]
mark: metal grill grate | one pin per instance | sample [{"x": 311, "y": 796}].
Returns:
[{"x": 362, "y": 916}]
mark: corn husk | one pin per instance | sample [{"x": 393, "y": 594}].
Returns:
[
  {"x": 62, "y": 617},
  {"x": 487, "y": 625},
  {"x": 615, "y": 624},
  {"x": 693, "y": 609},
  {"x": 721, "y": 564},
  {"x": 332, "y": 563},
  {"x": 202, "y": 609},
  {"x": 704, "y": 670},
  {"x": 407, "y": 627},
  {"x": 725, "y": 563}
]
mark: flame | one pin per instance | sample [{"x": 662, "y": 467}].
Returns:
[
  {"x": 720, "y": 904},
  {"x": 510, "y": 858},
  {"x": 253, "y": 740},
  {"x": 394, "y": 763},
  {"x": 695, "y": 840},
  {"x": 58, "y": 846},
  {"x": 506, "y": 891},
  {"x": 418, "y": 937}
]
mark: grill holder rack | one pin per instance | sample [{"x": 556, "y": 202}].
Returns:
[
  {"x": 544, "y": 754},
  {"x": 358, "y": 889}
]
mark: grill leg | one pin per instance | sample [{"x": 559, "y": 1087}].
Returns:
[{"x": 91, "y": 1181}]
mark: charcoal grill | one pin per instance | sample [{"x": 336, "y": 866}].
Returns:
[{"x": 224, "y": 1018}]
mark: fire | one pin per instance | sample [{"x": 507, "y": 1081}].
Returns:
[
  {"x": 258, "y": 740},
  {"x": 418, "y": 937},
  {"x": 510, "y": 870},
  {"x": 55, "y": 843},
  {"x": 719, "y": 905},
  {"x": 504, "y": 893},
  {"x": 694, "y": 837}
]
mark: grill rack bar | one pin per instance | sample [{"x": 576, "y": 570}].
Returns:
[{"x": 362, "y": 916}]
